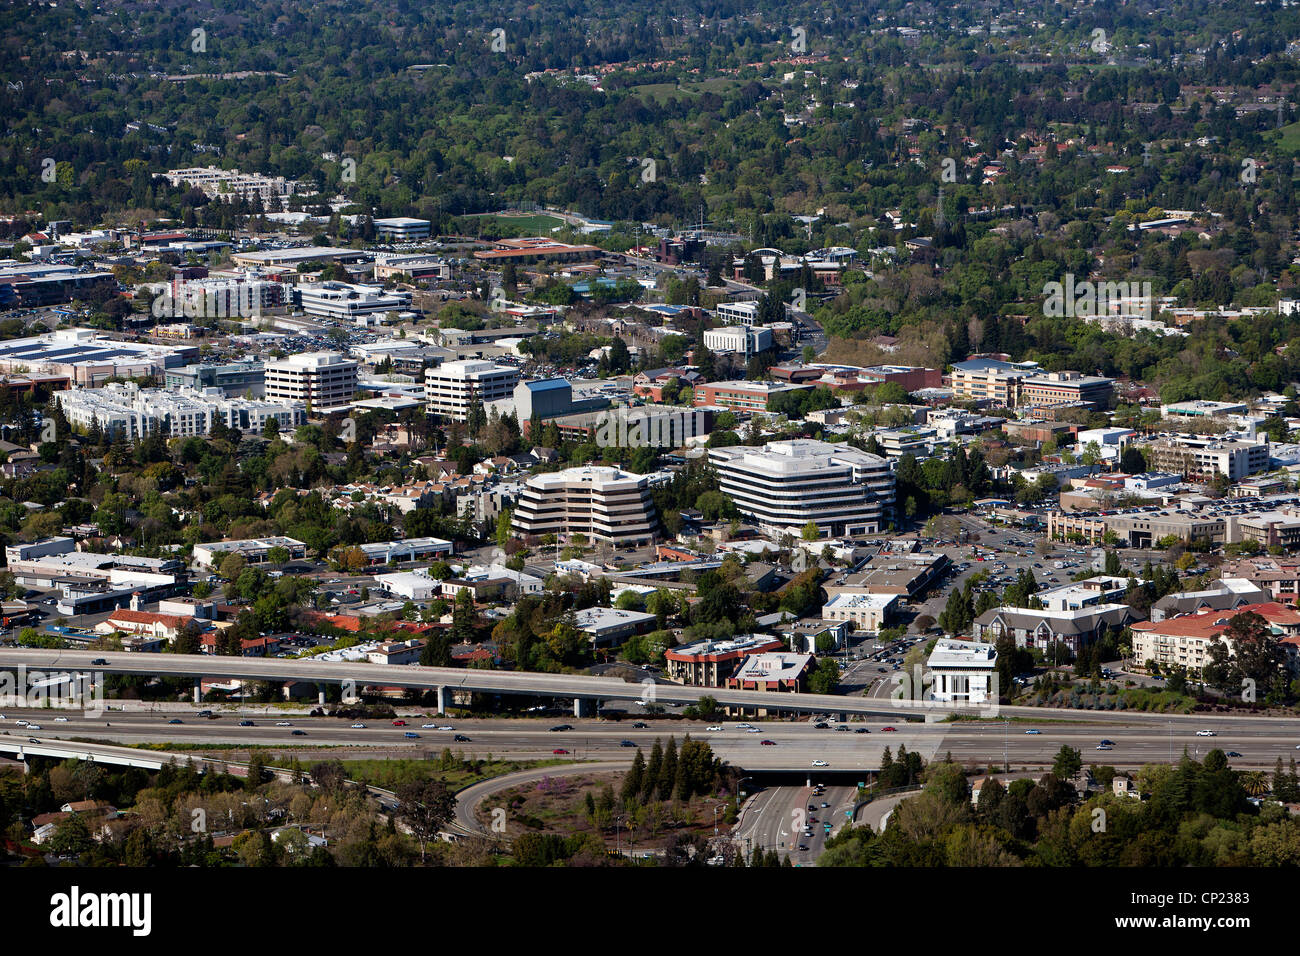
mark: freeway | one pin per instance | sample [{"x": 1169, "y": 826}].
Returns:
[{"x": 1139, "y": 738}]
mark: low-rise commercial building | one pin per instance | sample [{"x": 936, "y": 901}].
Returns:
[
  {"x": 710, "y": 663},
  {"x": 609, "y": 627},
  {"x": 1075, "y": 629},
  {"x": 963, "y": 672},
  {"x": 254, "y": 550}
]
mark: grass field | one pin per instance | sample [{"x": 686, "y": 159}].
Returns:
[{"x": 1288, "y": 137}]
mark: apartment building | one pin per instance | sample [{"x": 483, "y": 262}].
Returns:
[
  {"x": 1224, "y": 521},
  {"x": 452, "y": 388},
  {"x": 990, "y": 380},
  {"x": 1075, "y": 628},
  {"x": 787, "y": 484},
  {"x": 325, "y": 380},
  {"x": 600, "y": 502},
  {"x": 1188, "y": 640}
]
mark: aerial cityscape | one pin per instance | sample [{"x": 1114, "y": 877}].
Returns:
[{"x": 648, "y": 436}]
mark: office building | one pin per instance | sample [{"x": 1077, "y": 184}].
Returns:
[
  {"x": 1056, "y": 388},
  {"x": 347, "y": 301},
  {"x": 1201, "y": 458},
  {"x": 254, "y": 550},
  {"x": 710, "y": 663},
  {"x": 246, "y": 379},
  {"x": 787, "y": 484},
  {"x": 453, "y": 388},
  {"x": 607, "y": 504},
  {"x": 963, "y": 672},
  {"x": 401, "y": 229},
  {"x": 323, "y": 380},
  {"x": 88, "y": 358},
  {"x": 745, "y": 341}
]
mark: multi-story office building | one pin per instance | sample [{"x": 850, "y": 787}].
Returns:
[
  {"x": 604, "y": 503},
  {"x": 344, "y": 300},
  {"x": 786, "y": 484},
  {"x": 741, "y": 339},
  {"x": 236, "y": 378},
  {"x": 323, "y": 379},
  {"x": 401, "y": 229},
  {"x": 710, "y": 663},
  {"x": 128, "y": 411},
  {"x": 737, "y": 313},
  {"x": 453, "y": 387},
  {"x": 990, "y": 380},
  {"x": 963, "y": 672},
  {"x": 1057, "y": 388},
  {"x": 1200, "y": 458},
  {"x": 741, "y": 395}
]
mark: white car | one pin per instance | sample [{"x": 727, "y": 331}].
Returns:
[
  {"x": 1205, "y": 733},
  {"x": 22, "y": 723},
  {"x": 60, "y": 720},
  {"x": 34, "y": 727},
  {"x": 752, "y": 730},
  {"x": 358, "y": 726},
  {"x": 714, "y": 727},
  {"x": 820, "y": 763},
  {"x": 283, "y": 723},
  {"x": 446, "y": 727},
  {"x": 743, "y": 726},
  {"x": 428, "y": 726}
]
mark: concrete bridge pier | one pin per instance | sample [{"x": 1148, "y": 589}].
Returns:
[
  {"x": 582, "y": 707},
  {"x": 444, "y": 699},
  {"x": 320, "y": 695},
  {"x": 198, "y": 690}
]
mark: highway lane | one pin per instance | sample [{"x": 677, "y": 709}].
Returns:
[
  {"x": 795, "y": 744},
  {"x": 775, "y": 820}
]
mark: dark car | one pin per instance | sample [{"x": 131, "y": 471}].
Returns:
[
  {"x": 560, "y": 727},
  {"x": 247, "y": 723},
  {"x": 640, "y": 725},
  {"x": 175, "y": 721},
  {"x": 411, "y": 735},
  {"x": 299, "y": 733},
  {"x": 861, "y": 730},
  {"x": 99, "y": 661},
  {"x": 768, "y": 743},
  {"x": 461, "y": 738},
  {"x": 627, "y": 743},
  {"x": 821, "y": 725}
]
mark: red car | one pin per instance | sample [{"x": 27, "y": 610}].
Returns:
[
  {"x": 769, "y": 743},
  {"x": 399, "y": 723},
  {"x": 559, "y": 750},
  {"x": 885, "y": 730}
]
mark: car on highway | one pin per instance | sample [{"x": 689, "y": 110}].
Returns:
[
  {"x": 714, "y": 727},
  {"x": 861, "y": 730},
  {"x": 627, "y": 743},
  {"x": 446, "y": 727},
  {"x": 428, "y": 726},
  {"x": 35, "y": 727},
  {"x": 298, "y": 733},
  {"x": 1232, "y": 753},
  {"x": 1034, "y": 732},
  {"x": 399, "y": 723},
  {"x": 744, "y": 726},
  {"x": 1108, "y": 742},
  {"x": 99, "y": 662},
  {"x": 461, "y": 739},
  {"x": 753, "y": 730},
  {"x": 176, "y": 721},
  {"x": 60, "y": 720},
  {"x": 21, "y": 723},
  {"x": 559, "y": 750},
  {"x": 561, "y": 727},
  {"x": 411, "y": 735},
  {"x": 825, "y": 805},
  {"x": 768, "y": 743},
  {"x": 247, "y": 723},
  {"x": 888, "y": 730},
  {"x": 1105, "y": 746},
  {"x": 803, "y": 846},
  {"x": 32, "y": 740},
  {"x": 1206, "y": 733},
  {"x": 283, "y": 723},
  {"x": 820, "y": 763},
  {"x": 843, "y": 728},
  {"x": 358, "y": 726}
]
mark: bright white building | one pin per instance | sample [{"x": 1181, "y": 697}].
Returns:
[
  {"x": 453, "y": 387},
  {"x": 401, "y": 229},
  {"x": 347, "y": 301},
  {"x": 786, "y": 484},
  {"x": 740, "y": 339},
  {"x": 963, "y": 672},
  {"x": 323, "y": 379},
  {"x": 600, "y": 502},
  {"x": 868, "y": 612}
]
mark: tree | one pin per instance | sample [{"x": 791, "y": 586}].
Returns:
[
  {"x": 826, "y": 677},
  {"x": 811, "y": 532},
  {"x": 1067, "y": 763},
  {"x": 426, "y": 806}
]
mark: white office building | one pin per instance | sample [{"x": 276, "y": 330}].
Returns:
[
  {"x": 128, "y": 411},
  {"x": 599, "y": 502},
  {"x": 323, "y": 379},
  {"x": 401, "y": 229},
  {"x": 737, "y": 313},
  {"x": 963, "y": 672},
  {"x": 786, "y": 484},
  {"x": 453, "y": 387},
  {"x": 740, "y": 339},
  {"x": 347, "y": 301}
]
